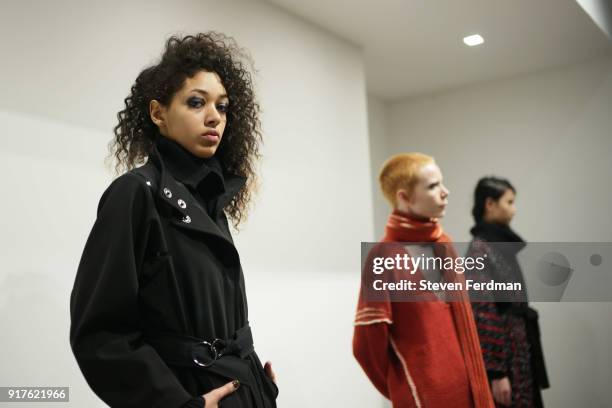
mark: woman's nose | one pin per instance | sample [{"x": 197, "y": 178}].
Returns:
[
  {"x": 212, "y": 117},
  {"x": 445, "y": 192}
]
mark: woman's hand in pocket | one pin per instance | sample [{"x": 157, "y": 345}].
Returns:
[
  {"x": 269, "y": 372},
  {"x": 212, "y": 398}
]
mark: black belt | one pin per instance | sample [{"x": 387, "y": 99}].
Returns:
[
  {"x": 187, "y": 351},
  {"x": 228, "y": 358}
]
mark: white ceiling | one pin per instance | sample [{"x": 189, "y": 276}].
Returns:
[{"x": 414, "y": 47}]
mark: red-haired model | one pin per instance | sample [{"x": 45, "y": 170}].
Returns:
[{"x": 425, "y": 353}]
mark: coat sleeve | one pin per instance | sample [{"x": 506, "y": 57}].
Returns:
[
  {"x": 494, "y": 339},
  {"x": 371, "y": 345},
  {"x": 371, "y": 337},
  {"x": 104, "y": 334},
  {"x": 492, "y": 325}
]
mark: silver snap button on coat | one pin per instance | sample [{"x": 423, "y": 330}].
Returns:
[
  {"x": 181, "y": 204},
  {"x": 167, "y": 192},
  {"x": 186, "y": 219},
  {"x": 148, "y": 183}
]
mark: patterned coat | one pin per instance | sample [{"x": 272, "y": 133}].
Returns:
[{"x": 509, "y": 334}]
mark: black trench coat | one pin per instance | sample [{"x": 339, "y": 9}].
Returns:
[{"x": 157, "y": 262}]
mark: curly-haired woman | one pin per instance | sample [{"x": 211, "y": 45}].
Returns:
[{"x": 158, "y": 309}]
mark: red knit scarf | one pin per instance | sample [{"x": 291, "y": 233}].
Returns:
[{"x": 401, "y": 228}]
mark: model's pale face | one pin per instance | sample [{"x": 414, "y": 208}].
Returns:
[
  {"x": 196, "y": 116},
  {"x": 429, "y": 197},
  {"x": 500, "y": 211}
]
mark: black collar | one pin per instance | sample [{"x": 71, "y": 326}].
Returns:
[
  {"x": 178, "y": 196},
  {"x": 496, "y": 233},
  {"x": 191, "y": 170},
  {"x": 206, "y": 176}
]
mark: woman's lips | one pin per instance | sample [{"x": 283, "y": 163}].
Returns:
[{"x": 211, "y": 137}]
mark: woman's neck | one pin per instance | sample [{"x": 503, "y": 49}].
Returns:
[
  {"x": 412, "y": 215},
  {"x": 491, "y": 220}
]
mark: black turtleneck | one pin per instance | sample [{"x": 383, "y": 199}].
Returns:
[
  {"x": 495, "y": 232},
  {"x": 202, "y": 176},
  {"x": 513, "y": 244}
]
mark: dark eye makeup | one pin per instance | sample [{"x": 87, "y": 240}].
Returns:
[{"x": 197, "y": 102}]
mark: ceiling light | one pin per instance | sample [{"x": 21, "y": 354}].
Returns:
[{"x": 473, "y": 40}]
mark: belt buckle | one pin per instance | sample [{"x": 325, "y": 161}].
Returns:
[{"x": 212, "y": 347}]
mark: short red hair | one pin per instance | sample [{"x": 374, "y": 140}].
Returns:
[{"x": 401, "y": 172}]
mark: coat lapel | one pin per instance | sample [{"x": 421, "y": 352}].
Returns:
[{"x": 190, "y": 214}]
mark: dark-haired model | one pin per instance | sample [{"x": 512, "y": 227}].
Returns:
[
  {"x": 158, "y": 309},
  {"x": 508, "y": 330}
]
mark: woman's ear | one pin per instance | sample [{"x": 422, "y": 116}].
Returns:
[
  {"x": 158, "y": 114},
  {"x": 401, "y": 196},
  {"x": 489, "y": 204}
]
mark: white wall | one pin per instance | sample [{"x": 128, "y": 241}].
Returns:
[
  {"x": 379, "y": 152},
  {"x": 67, "y": 67},
  {"x": 549, "y": 133}
]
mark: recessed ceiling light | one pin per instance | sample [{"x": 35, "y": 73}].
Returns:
[{"x": 473, "y": 40}]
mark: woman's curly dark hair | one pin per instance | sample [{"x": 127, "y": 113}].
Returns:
[{"x": 184, "y": 57}]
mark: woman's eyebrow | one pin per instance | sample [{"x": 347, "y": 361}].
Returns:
[{"x": 203, "y": 92}]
